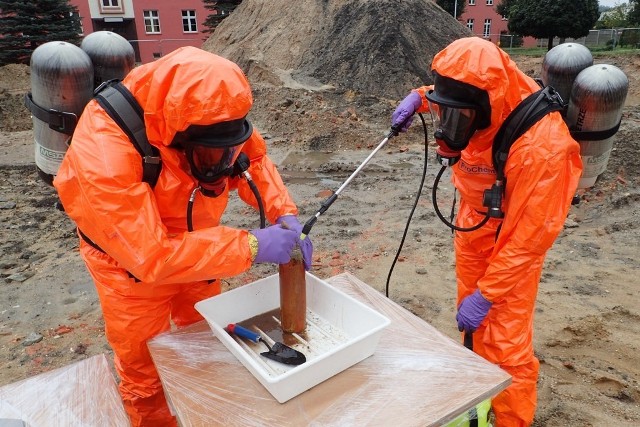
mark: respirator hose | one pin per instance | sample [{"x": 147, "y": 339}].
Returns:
[
  {"x": 190, "y": 208},
  {"x": 442, "y": 218}
]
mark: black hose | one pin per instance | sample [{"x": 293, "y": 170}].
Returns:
[
  {"x": 442, "y": 218},
  {"x": 190, "y": 209},
  {"x": 256, "y": 193},
  {"x": 415, "y": 204}
]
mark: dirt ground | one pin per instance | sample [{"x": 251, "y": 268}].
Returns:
[{"x": 587, "y": 317}]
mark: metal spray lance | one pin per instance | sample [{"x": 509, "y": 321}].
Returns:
[{"x": 329, "y": 201}]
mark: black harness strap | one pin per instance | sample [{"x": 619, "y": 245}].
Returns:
[
  {"x": 532, "y": 109},
  {"x": 123, "y": 108},
  {"x": 594, "y": 135},
  {"x": 60, "y": 121},
  {"x": 521, "y": 119}
]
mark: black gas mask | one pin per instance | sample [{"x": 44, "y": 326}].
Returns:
[
  {"x": 212, "y": 150},
  {"x": 457, "y": 110}
]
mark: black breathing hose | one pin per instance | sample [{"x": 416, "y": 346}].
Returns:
[
  {"x": 240, "y": 168},
  {"x": 190, "y": 209},
  {"x": 256, "y": 193},
  {"x": 254, "y": 190},
  {"x": 442, "y": 218},
  {"x": 415, "y": 204}
]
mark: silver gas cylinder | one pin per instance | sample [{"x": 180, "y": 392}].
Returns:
[
  {"x": 112, "y": 55},
  {"x": 562, "y": 64},
  {"x": 595, "y": 105},
  {"x": 61, "y": 82}
]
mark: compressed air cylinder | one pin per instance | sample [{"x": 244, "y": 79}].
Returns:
[
  {"x": 111, "y": 54},
  {"x": 61, "y": 80},
  {"x": 562, "y": 64},
  {"x": 596, "y": 103}
]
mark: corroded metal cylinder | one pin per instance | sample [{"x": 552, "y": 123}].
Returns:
[{"x": 293, "y": 294}]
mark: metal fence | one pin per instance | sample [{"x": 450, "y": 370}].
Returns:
[{"x": 612, "y": 37}]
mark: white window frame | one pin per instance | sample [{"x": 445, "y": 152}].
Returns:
[
  {"x": 111, "y": 6},
  {"x": 189, "y": 22},
  {"x": 151, "y": 21},
  {"x": 489, "y": 2},
  {"x": 486, "y": 29},
  {"x": 470, "y": 23},
  {"x": 472, "y": 2}
]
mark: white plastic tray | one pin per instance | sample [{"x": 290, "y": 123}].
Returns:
[{"x": 341, "y": 331}]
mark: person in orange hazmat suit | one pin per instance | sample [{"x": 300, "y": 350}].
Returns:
[
  {"x": 148, "y": 267},
  {"x": 498, "y": 266}
]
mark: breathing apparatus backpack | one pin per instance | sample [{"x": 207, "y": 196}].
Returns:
[
  {"x": 122, "y": 107},
  {"x": 532, "y": 109}
]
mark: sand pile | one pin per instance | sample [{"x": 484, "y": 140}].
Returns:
[
  {"x": 379, "y": 47},
  {"x": 14, "y": 83}
]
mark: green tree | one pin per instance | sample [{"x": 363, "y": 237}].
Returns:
[
  {"x": 504, "y": 6},
  {"x": 634, "y": 14},
  {"x": 450, "y": 6},
  {"x": 615, "y": 17},
  {"x": 25, "y": 25},
  {"x": 222, "y": 9},
  {"x": 546, "y": 19}
]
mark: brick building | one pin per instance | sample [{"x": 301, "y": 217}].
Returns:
[
  {"x": 153, "y": 27},
  {"x": 481, "y": 18}
]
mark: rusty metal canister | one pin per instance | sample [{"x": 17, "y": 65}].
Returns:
[{"x": 293, "y": 294}]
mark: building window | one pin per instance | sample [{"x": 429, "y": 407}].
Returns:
[
  {"x": 472, "y": 2},
  {"x": 189, "y": 21},
  {"x": 470, "y": 24},
  {"x": 486, "y": 32},
  {"x": 111, "y": 6},
  {"x": 151, "y": 22},
  {"x": 489, "y": 2}
]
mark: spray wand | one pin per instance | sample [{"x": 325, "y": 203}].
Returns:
[{"x": 329, "y": 201}]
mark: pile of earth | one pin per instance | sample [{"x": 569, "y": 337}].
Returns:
[
  {"x": 375, "y": 47},
  {"x": 14, "y": 83}
]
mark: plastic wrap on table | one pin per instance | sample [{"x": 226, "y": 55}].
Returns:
[
  {"x": 417, "y": 376},
  {"x": 81, "y": 394}
]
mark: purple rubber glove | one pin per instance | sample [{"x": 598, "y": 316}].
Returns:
[
  {"x": 306, "y": 247},
  {"x": 472, "y": 311},
  {"x": 275, "y": 244},
  {"x": 402, "y": 117}
]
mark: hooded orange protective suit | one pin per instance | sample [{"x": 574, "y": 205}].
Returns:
[
  {"x": 143, "y": 230},
  {"x": 542, "y": 172}
]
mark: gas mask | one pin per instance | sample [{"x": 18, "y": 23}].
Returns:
[
  {"x": 212, "y": 150},
  {"x": 457, "y": 110}
]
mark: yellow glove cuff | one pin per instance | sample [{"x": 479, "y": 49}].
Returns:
[{"x": 253, "y": 246}]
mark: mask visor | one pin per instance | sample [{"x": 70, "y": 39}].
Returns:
[
  {"x": 453, "y": 122},
  {"x": 209, "y": 164}
]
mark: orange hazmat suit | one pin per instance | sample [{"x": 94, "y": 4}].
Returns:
[
  {"x": 151, "y": 269},
  {"x": 504, "y": 258}
]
